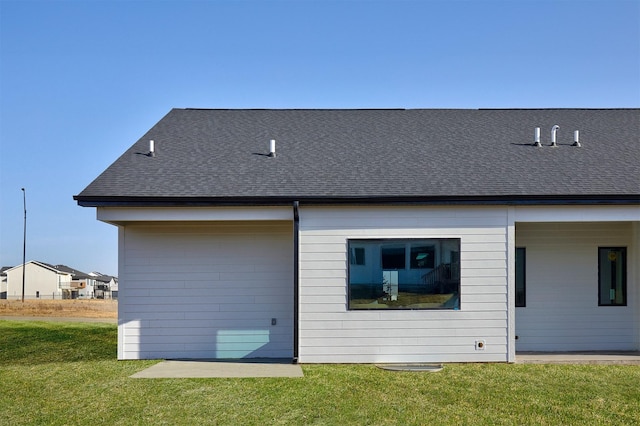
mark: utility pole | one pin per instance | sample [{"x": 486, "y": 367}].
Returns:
[{"x": 24, "y": 241}]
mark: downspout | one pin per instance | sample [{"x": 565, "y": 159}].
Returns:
[{"x": 296, "y": 277}]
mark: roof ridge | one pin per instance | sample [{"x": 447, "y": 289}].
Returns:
[
  {"x": 417, "y": 109},
  {"x": 559, "y": 109}
]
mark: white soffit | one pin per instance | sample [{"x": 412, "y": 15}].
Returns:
[
  {"x": 117, "y": 215},
  {"x": 594, "y": 213}
]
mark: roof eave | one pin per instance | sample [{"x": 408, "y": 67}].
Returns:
[{"x": 591, "y": 199}]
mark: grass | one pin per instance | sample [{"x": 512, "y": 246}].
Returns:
[
  {"x": 66, "y": 373},
  {"x": 92, "y": 308}
]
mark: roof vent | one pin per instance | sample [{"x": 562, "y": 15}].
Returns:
[
  {"x": 554, "y": 133},
  {"x": 536, "y": 137},
  {"x": 272, "y": 148},
  {"x": 576, "y": 138},
  {"x": 152, "y": 148}
]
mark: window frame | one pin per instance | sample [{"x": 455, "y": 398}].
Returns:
[
  {"x": 408, "y": 246},
  {"x": 524, "y": 277},
  {"x": 623, "y": 251}
]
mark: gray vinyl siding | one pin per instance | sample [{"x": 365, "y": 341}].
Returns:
[
  {"x": 562, "y": 312},
  {"x": 331, "y": 333},
  {"x": 206, "y": 290}
]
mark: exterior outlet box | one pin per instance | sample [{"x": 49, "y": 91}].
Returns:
[
  {"x": 274, "y": 321},
  {"x": 480, "y": 345}
]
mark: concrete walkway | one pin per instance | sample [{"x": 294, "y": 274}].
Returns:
[
  {"x": 179, "y": 369},
  {"x": 595, "y": 357},
  {"x": 284, "y": 368}
]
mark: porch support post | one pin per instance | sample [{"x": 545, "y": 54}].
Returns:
[
  {"x": 122, "y": 289},
  {"x": 511, "y": 285}
]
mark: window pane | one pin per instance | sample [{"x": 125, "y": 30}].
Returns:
[
  {"x": 406, "y": 274},
  {"x": 521, "y": 267},
  {"x": 357, "y": 255},
  {"x": 393, "y": 257},
  {"x": 422, "y": 257},
  {"x": 612, "y": 276}
]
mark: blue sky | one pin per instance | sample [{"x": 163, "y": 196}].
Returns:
[{"x": 80, "y": 81}]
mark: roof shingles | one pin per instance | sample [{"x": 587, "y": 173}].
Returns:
[{"x": 349, "y": 154}]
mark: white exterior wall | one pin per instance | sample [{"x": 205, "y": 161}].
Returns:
[
  {"x": 197, "y": 283},
  {"x": 331, "y": 333},
  {"x": 37, "y": 279},
  {"x": 205, "y": 290},
  {"x": 562, "y": 312}
]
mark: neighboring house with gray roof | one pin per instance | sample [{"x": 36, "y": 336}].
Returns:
[
  {"x": 92, "y": 285},
  {"x": 377, "y": 235},
  {"x": 82, "y": 284},
  {"x": 46, "y": 281},
  {"x": 41, "y": 281},
  {"x": 105, "y": 286}
]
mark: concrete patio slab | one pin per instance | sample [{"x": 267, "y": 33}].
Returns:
[
  {"x": 179, "y": 369},
  {"x": 622, "y": 357}
]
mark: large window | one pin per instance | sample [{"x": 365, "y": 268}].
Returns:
[
  {"x": 404, "y": 274},
  {"x": 612, "y": 276},
  {"x": 521, "y": 277}
]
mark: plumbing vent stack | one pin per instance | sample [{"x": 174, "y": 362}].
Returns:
[
  {"x": 554, "y": 133},
  {"x": 576, "y": 138},
  {"x": 536, "y": 137},
  {"x": 272, "y": 148},
  {"x": 152, "y": 148}
]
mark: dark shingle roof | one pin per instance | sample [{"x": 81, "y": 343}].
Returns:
[
  {"x": 75, "y": 273},
  {"x": 218, "y": 156}
]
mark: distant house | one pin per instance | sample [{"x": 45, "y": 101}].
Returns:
[
  {"x": 42, "y": 281},
  {"x": 3, "y": 282},
  {"x": 45, "y": 281},
  {"x": 107, "y": 287},
  {"x": 377, "y": 235},
  {"x": 104, "y": 286},
  {"x": 82, "y": 284}
]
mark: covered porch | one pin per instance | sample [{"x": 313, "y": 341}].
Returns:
[{"x": 577, "y": 287}]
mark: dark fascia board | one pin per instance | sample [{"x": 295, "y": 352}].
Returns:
[{"x": 88, "y": 201}]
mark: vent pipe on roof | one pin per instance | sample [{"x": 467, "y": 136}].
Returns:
[
  {"x": 554, "y": 133},
  {"x": 536, "y": 137},
  {"x": 152, "y": 148},
  {"x": 576, "y": 138},
  {"x": 272, "y": 148}
]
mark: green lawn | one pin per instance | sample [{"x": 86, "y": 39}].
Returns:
[{"x": 66, "y": 373}]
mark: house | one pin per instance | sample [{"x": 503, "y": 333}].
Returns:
[
  {"x": 362, "y": 236},
  {"x": 45, "y": 281},
  {"x": 3, "y": 282},
  {"x": 82, "y": 284},
  {"x": 41, "y": 281},
  {"x": 92, "y": 285},
  {"x": 106, "y": 286}
]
